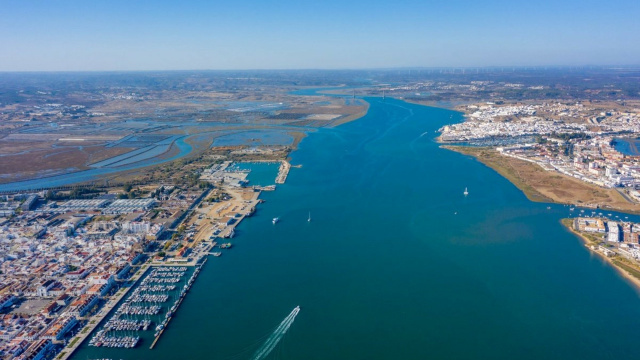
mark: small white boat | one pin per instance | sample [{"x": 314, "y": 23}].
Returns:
[
  {"x": 275, "y": 220},
  {"x": 309, "y": 219},
  {"x": 466, "y": 192}
]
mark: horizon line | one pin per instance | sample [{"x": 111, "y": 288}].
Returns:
[{"x": 406, "y": 68}]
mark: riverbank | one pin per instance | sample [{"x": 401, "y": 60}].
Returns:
[
  {"x": 352, "y": 117},
  {"x": 495, "y": 240},
  {"x": 540, "y": 185},
  {"x": 459, "y": 106},
  {"x": 630, "y": 272}
]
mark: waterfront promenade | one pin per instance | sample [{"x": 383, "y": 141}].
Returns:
[
  {"x": 95, "y": 320},
  {"x": 388, "y": 225}
]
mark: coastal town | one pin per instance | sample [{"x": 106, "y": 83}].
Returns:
[
  {"x": 577, "y": 140},
  {"x": 99, "y": 263},
  {"x": 340, "y": 180},
  {"x": 111, "y": 266},
  {"x": 615, "y": 239},
  {"x": 582, "y": 154}
]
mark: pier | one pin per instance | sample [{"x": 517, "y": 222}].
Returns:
[
  {"x": 144, "y": 306},
  {"x": 283, "y": 172},
  {"x": 163, "y": 326}
]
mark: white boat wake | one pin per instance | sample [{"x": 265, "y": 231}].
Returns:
[{"x": 276, "y": 336}]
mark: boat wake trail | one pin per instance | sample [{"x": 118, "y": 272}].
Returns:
[{"x": 276, "y": 336}]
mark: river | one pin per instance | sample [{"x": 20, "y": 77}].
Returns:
[{"x": 398, "y": 264}]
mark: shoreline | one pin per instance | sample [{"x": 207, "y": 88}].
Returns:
[
  {"x": 352, "y": 117},
  {"x": 635, "y": 282},
  {"x": 201, "y": 258},
  {"x": 454, "y": 106},
  {"x": 106, "y": 310},
  {"x": 547, "y": 187}
]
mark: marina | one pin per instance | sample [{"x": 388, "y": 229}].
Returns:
[
  {"x": 149, "y": 307},
  {"x": 492, "y": 263}
]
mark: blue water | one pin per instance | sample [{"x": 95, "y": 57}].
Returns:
[
  {"x": 262, "y": 174},
  {"x": 399, "y": 264},
  {"x": 94, "y": 174},
  {"x": 315, "y": 91},
  {"x": 254, "y": 137},
  {"x": 628, "y": 146}
]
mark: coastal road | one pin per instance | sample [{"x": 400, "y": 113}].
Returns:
[{"x": 625, "y": 196}]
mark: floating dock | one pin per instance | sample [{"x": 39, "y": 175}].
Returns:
[{"x": 176, "y": 306}]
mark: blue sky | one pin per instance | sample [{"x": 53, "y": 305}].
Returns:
[{"x": 182, "y": 35}]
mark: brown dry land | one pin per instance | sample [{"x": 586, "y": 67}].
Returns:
[
  {"x": 297, "y": 137},
  {"x": 26, "y": 155},
  {"x": 630, "y": 270},
  {"x": 351, "y": 117},
  {"x": 545, "y": 186},
  {"x": 46, "y": 162},
  {"x": 15, "y": 147}
]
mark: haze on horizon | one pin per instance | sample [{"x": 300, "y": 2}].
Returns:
[{"x": 69, "y": 35}]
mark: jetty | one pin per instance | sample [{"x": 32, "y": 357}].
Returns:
[
  {"x": 169, "y": 315},
  {"x": 283, "y": 172}
]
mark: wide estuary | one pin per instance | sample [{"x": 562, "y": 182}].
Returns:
[{"x": 397, "y": 263}]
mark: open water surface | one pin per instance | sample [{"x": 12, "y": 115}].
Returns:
[
  {"x": 398, "y": 264},
  {"x": 628, "y": 146}
]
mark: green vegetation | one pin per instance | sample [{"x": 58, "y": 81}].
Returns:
[
  {"x": 74, "y": 341},
  {"x": 567, "y": 222},
  {"x": 571, "y": 136},
  {"x": 491, "y": 158},
  {"x": 587, "y": 237},
  {"x": 75, "y": 193},
  {"x": 623, "y": 264},
  {"x": 540, "y": 139}
]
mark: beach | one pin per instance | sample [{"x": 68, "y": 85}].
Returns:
[{"x": 635, "y": 281}]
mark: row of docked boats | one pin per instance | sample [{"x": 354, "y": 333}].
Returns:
[
  {"x": 136, "y": 313},
  {"x": 170, "y": 269},
  {"x": 178, "y": 301},
  {"x": 167, "y": 274},
  {"x": 156, "y": 298},
  {"x": 157, "y": 288},
  {"x": 169, "y": 280},
  {"x": 118, "y": 324},
  {"x": 139, "y": 309},
  {"x": 101, "y": 339}
]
